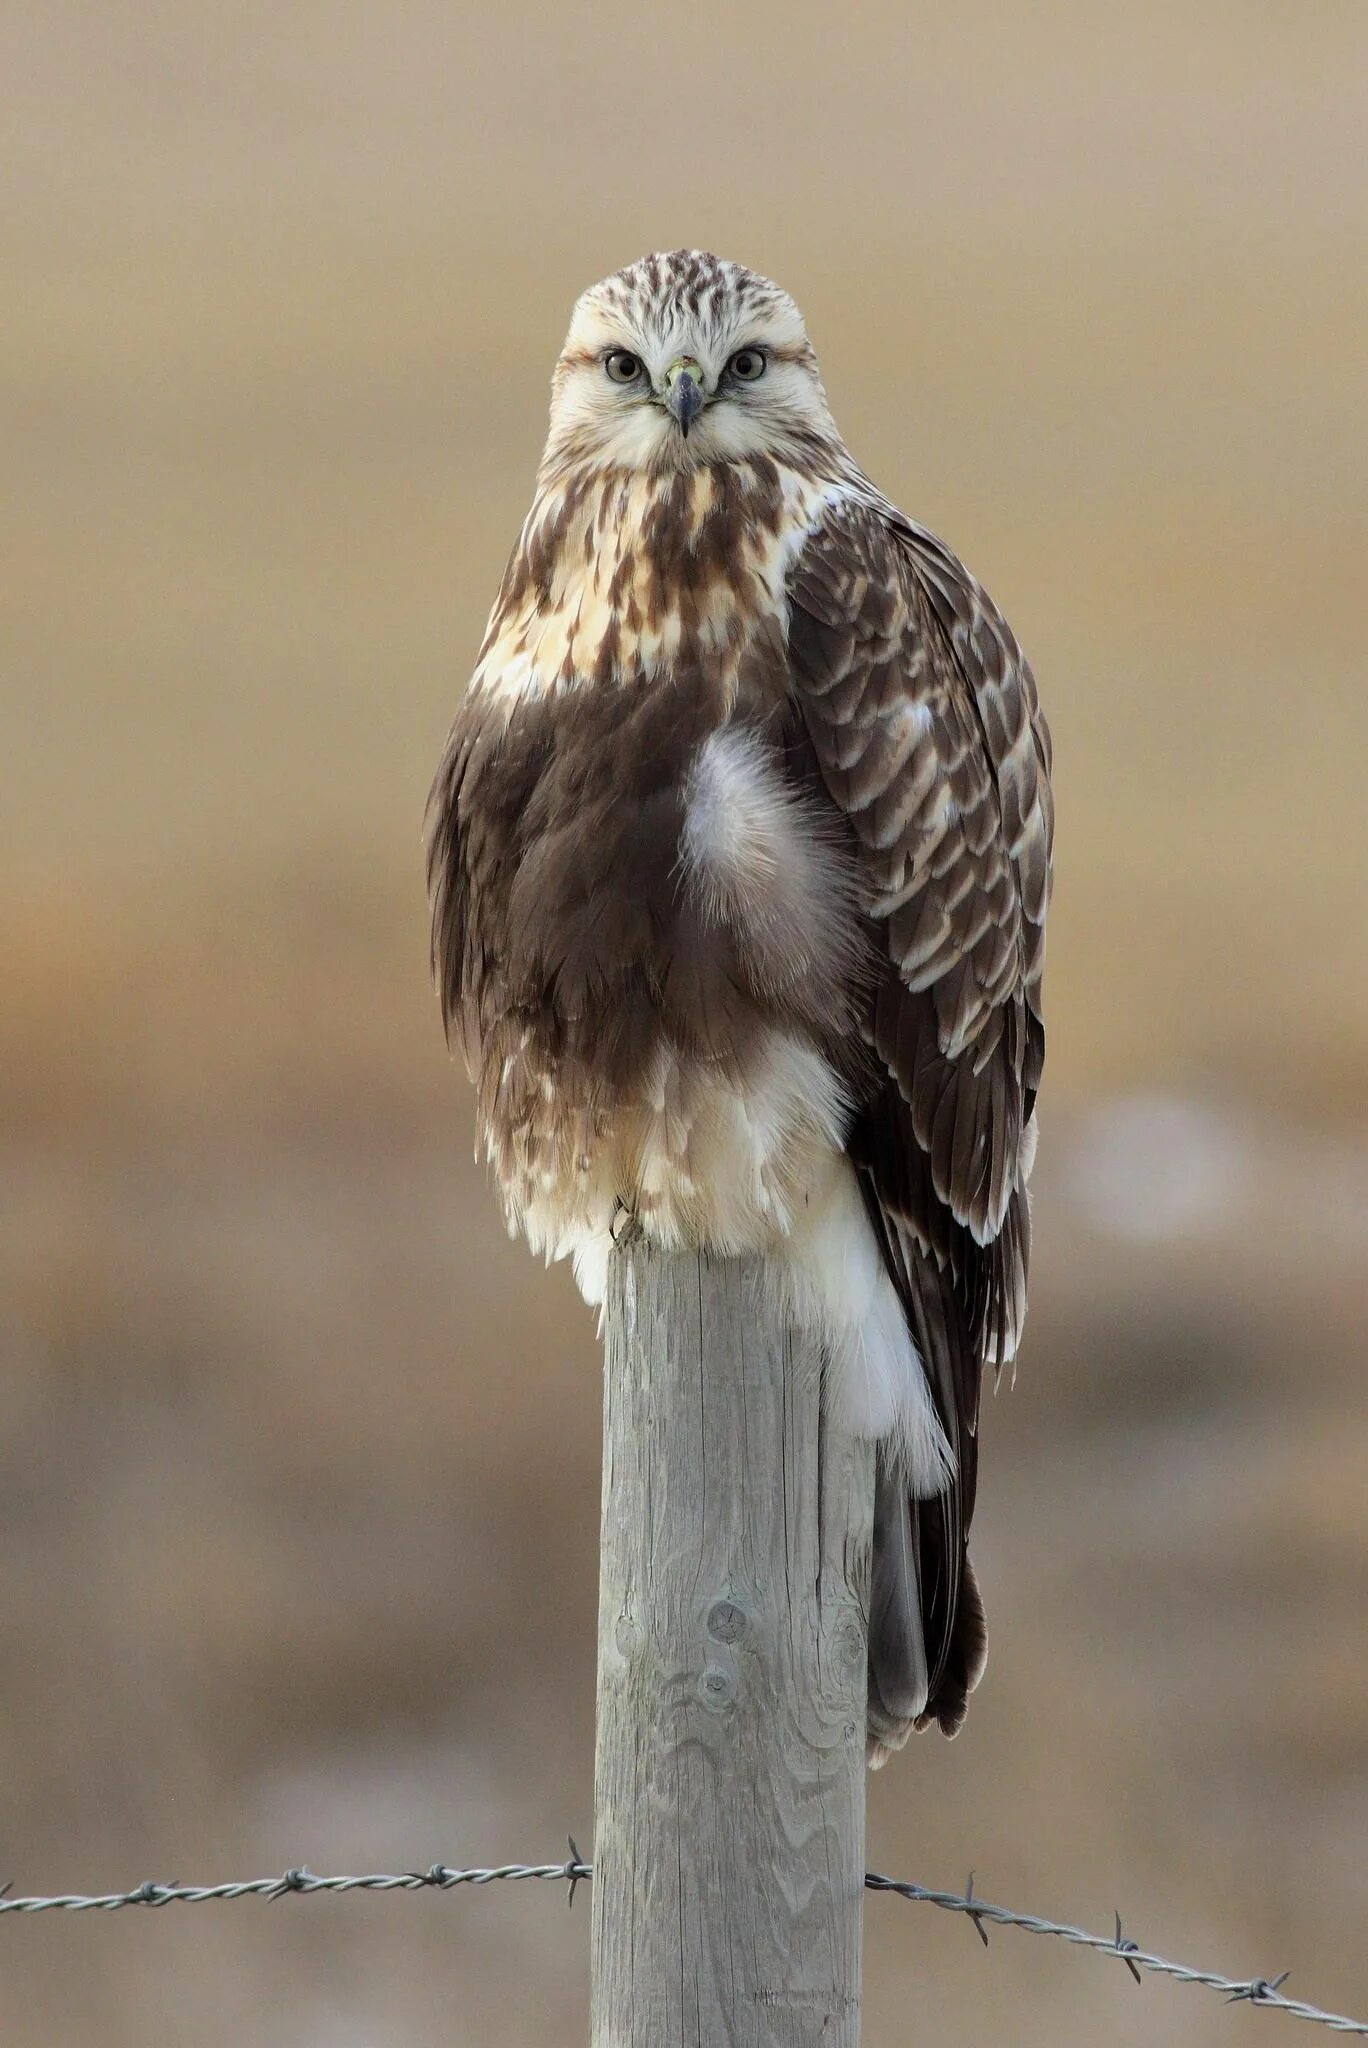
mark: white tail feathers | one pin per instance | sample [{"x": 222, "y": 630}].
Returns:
[
  {"x": 834, "y": 1283},
  {"x": 830, "y": 1280}
]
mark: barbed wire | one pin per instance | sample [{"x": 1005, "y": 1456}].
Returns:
[
  {"x": 439, "y": 1877},
  {"x": 444, "y": 1877},
  {"x": 1248, "y": 1990}
]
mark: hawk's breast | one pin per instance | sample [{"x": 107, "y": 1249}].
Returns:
[{"x": 658, "y": 937}]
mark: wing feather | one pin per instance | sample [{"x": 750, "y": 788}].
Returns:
[
  {"x": 928, "y": 735},
  {"x": 926, "y": 729}
]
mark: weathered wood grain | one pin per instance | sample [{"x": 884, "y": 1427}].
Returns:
[{"x": 729, "y": 1839}]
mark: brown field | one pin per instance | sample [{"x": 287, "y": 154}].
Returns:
[{"x": 298, "y": 1456}]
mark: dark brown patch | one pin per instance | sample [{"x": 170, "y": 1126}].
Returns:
[{"x": 566, "y": 943}]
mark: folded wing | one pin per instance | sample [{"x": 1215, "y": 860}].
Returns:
[{"x": 926, "y": 732}]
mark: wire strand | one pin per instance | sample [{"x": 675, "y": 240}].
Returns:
[{"x": 1263, "y": 1991}]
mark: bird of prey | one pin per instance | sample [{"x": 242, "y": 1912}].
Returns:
[{"x": 739, "y": 858}]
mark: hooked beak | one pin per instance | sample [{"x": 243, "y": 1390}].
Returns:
[{"x": 684, "y": 393}]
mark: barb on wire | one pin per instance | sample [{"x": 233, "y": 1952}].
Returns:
[
  {"x": 574, "y": 1870},
  {"x": 439, "y": 1877},
  {"x": 1254, "y": 1990}
]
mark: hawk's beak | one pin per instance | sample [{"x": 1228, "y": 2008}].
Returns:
[{"x": 684, "y": 394}]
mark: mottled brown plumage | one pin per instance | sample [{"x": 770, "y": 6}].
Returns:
[{"x": 740, "y": 860}]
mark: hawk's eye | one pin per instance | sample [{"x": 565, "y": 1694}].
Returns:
[
  {"x": 748, "y": 364},
  {"x": 622, "y": 366}
]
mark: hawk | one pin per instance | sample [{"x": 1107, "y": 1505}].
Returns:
[{"x": 739, "y": 858}]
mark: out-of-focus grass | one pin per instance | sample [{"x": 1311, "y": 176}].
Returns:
[{"x": 298, "y": 1455}]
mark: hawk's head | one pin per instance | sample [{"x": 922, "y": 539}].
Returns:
[{"x": 684, "y": 359}]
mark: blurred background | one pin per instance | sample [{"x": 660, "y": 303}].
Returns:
[{"x": 298, "y": 1456}]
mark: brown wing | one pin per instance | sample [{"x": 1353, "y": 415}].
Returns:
[{"x": 927, "y": 732}]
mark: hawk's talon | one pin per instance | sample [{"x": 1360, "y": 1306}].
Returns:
[{"x": 625, "y": 1228}]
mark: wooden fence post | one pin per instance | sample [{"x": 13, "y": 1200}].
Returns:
[{"x": 733, "y": 1594}]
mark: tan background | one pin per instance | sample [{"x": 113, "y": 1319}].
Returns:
[{"x": 297, "y": 1456}]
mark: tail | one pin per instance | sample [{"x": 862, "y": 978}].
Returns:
[
  {"x": 928, "y": 1637},
  {"x": 920, "y": 1593}
]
